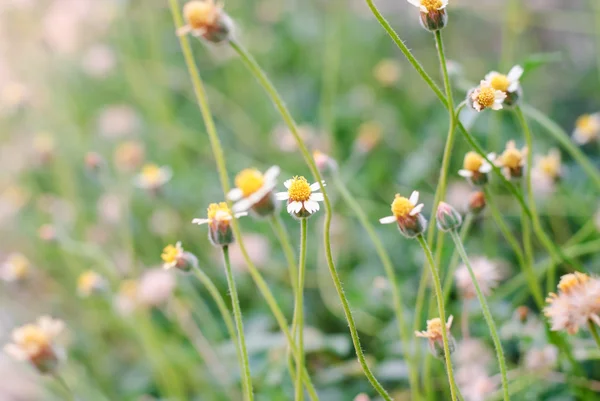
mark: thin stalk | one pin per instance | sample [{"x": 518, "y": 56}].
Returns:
[
  {"x": 441, "y": 310},
  {"x": 299, "y": 313},
  {"x": 594, "y": 332},
  {"x": 486, "y": 313},
  {"x": 63, "y": 386},
  {"x": 217, "y": 150},
  {"x": 464, "y": 231},
  {"x": 264, "y": 81},
  {"x": 384, "y": 257},
  {"x": 239, "y": 325}
]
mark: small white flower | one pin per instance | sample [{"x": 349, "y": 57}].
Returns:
[
  {"x": 172, "y": 255},
  {"x": 429, "y": 5},
  {"x": 506, "y": 83},
  {"x": 487, "y": 273},
  {"x": 153, "y": 177},
  {"x": 403, "y": 208},
  {"x": 252, "y": 187},
  {"x": 587, "y": 128},
  {"x": 485, "y": 96},
  {"x": 218, "y": 218},
  {"x": 301, "y": 199},
  {"x": 474, "y": 164}
]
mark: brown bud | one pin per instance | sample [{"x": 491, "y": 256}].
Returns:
[{"x": 477, "y": 202}]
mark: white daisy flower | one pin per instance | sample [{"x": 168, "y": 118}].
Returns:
[
  {"x": 301, "y": 199},
  {"x": 476, "y": 168},
  {"x": 506, "y": 83},
  {"x": 587, "y": 128},
  {"x": 253, "y": 191},
  {"x": 407, "y": 213},
  {"x": 153, "y": 177},
  {"x": 485, "y": 96},
  {"x": 218, "y": 218},
  {"x": 429, "y": 5}
]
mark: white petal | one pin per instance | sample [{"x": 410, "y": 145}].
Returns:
[
  {"x": 497, "y": 106},
  {"x": 388, "y": 220},
  {"x": 287, "y": 183},
  {"x": 235, "y": 194},
  {"x": 416, "y": 3},
  {"x": 15, "y": 352},
  {"x": 465, "y": 173},
  {"x": 491, "y": 156},
  {"x": 414, "y": 197},
  {"x": 242, "y": 205},
  {"x": 515, "y": 73},
  {"x": 318, "y": 197},
  {"x": 417, "y": 209},
  {"x": 165, "y": 174},
  {"x": 272, "y": 173},
  {"x": 477, "y": 106},
  {"x": 298, "y": 206},
  {"x": 315, "y": 186},
  {"x": 200, "y": 221},
  {"x": 485, "y": 168},
  {"x": 444, "y": 4},
  {"x": 311, "y": 206},
  {"x": 513, "y": 87},
  {"x": 282, "y": 196},
  {"x": 499, "y": 96},
  {"x": 240, "y": 214}
]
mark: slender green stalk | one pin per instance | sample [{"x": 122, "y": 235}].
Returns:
[
  {"x": 264, "y": 81},
  {"x": 565, "y": 141},
  {"x": 441, "y": 310},
  {"x": 594, "y": 332},
  {"x": 448, "y": 278},
  {"x": 384, "y": 257},
  {"x": 239, "y": 325},
  {"x": 486, "y": 313},
  {"x": 68, "y": 393},
  {"x": 299, "y": 313}
]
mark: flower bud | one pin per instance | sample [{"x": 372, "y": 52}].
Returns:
[
  {"x": 447, "y": 217},
  {"x": 324, "y": 163},
  {"x": 206, "y": 19},
  {"x": 433, "y": 20},
  {"x": 434, "y": 334},
  {"x": 175, "y": 256},
  {"x": 477, "y": 202},
  {"x": 413, "y": 226},
  {"x": 93, "y": 161}
]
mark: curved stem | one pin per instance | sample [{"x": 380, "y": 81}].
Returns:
[
  {"x": 384, "y": 257},
  {"x": 594, "y": 332},
  {"x": 237, "y": 317},
  {"x": 441, "y": 311},
  {"x": 299, "y": 313},
  {"x": 486, "y": 313},
  {"x": 264, "y": 81},
  {"x": 63, "y": 385},
  {"x": 464, "y": 231}
]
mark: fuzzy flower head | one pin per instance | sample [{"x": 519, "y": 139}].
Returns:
[
  {"x": 509, "y": 84},
  {"x": 407, "y": 213},
  {"x": 512, "y": 160},
  {"x": 576, "y": 304},
  {"x": 218, "y": 218},
  {"x": 487, "y": 273},
  {"x": 302, "y": 201},
  {"x": 434, "y": 335},
  {"x": 206, "y": 19},
  {"x": 475, "y": 168},
  {"x": 486, "y": 97},
  {"x": 175, "y": 256},
  {"x": 153, "y": 177},
  {"x": 35, "y": 343},
  {"x": 90, "y": 283},
  {"x": 15, "y": 268},
  {"x": 254, "y": 191},
  {"x": 433, "y": 13},
  {"x": 587, "y": 128}
]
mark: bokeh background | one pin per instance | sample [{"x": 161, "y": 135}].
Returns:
[{"x": 92, "y": 90}]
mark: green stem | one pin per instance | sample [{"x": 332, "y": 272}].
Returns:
[
  {"x": 594, "y": 332},
  {"x": 486, "y": 313},
  {"x": 299, "y": 313},
  {"x": 264, "y": 81},
  {"x": 237, "y": 315},
  {"x": 441, "y": 311},
  {"x": 384, "y": 257},
  {"x": 448, "y": 279},
  {"x": 63, "y": 385}
]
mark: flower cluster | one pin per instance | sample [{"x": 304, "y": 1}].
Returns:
[{"x": 496, "y": 90}]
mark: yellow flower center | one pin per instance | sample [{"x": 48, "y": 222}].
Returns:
[
  {"x": 473, "y": 162},
  {"x": 169, "y": 254},
  {"x": 511, "y": 158},
  {"x": 219, "y": 212},
  {"x": 587, "y": 124},
  {"x": 88, "y": 280},
  {"x": 500, "y": 82},
  {"x": 32, "y": 338},
  {"x": 200, "y": 14},
  {"x": 19, "y": 265},
  {"x": 151, "y": 172},
  {"x": 486, "y": 96},
  {"x": 570, "y": 281},
  {"x": 249, "y": 181},
  {"x": 401, "y": 206},
  {"x": 435, "y": 327},
  {"x": 550, "y": 166},
  {"x": 431, "y": 5},
  {"x": 299, "y": 190}
]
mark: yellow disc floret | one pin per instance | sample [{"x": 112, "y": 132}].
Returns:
[
  {"x": 550, "y": 165},
  {"x": 512, "y": 158},
  {"x": 19, "y": 265},
  {"x": 299, "y": 190},
  {"x": 587, "y": 124},
  {"x": 32, "y": 339},
  {"x": 401, "y": 206},
  {"x": 201, "y": 13},
  {"x": 151, "y": 173},
  {"x": 473, "y": 162},
  {"x": 170, "y": 254},
  {"x": 249, "y": 181},
  {"x": 435, "y": 327},
  {"x": 486, "y": 96},
  {"x": 218, "y": 211},
  {"x": 569, "y": 282},
  {"x": 500, "y": 82},
  {"x": 431, "y": 5}
]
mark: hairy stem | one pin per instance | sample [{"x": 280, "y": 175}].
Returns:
[{"x": 299, "y": 313}]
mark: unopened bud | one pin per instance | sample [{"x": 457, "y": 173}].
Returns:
[
  {"x": 93, "y": 161},
  {"x": 324, "y": 163},
  {"x": 434, "y": 20},
  {"x": 522, "y": 313},
  {"x": 206, "y": 19},
  {"x": 477, "y": 202},
  {"x": 413, "y": 226},
  {"x": 447, "y": 217}
]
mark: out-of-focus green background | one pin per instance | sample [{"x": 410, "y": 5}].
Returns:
[{"x": 80, "y": 76}]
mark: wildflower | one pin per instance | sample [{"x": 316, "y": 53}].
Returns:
[
  {"x": 509, "y": 84},
  {"x": 477, "y": 202},
  {"x": 576, "y": 304},
  {"x": 475, "y": 383},
  {"x": 485, "y": 96},
  {"x": 587, "y": 128},
  {"x": 387, "y": 72},
  {"x": 175, "y": 256},
  {"x": 36, "y": 343},
  {"x": 548, "y": 166},
  {"x": 434, "y": 335},
  {"x": 99, "y": 61},
  {"x": 473, "y": 352},
  {"x": 447, "y": 217},
  {"x": 512, "y": 160},
  {"x": 153, "y": 177},
  {"x": 93, "y": 161},
  {"x": 487, "y": 273},
  {"x": 206, "y": 18},
  {"x": 362, "y": 397},
  {"x": 129, "y": 156},
  {"x": 219, "y": 218},
  {"x": 433, "y": 13},
  {"x": 476, "y": 168},
  {"x": 324, "y": 162},
  {"x": 407, "y": 213},
  {"x": 254, "y": 191},
  {"x": 155, "y": 287},
  {"x": 302, "y": 202},
  {"x": 90, "y": 283},
  {"x": 16, "y": 267}
]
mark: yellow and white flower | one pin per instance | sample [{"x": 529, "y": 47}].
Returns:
[
  {"x": 587, "y": 128},
  {"x": 90, "y": 283},
  {"x": 206, "y": 19},
  {"x": 506, "y": 83},
  {"x": 512, "y": 160},
  {"x": 302, "y": 201},
  {"x": 175, "y": 256},
  {"x": 254, "y": 191},
  {"x": 152, "y": 177},
  {"x": 429, "y": 5},
  {"x": 486, "y": 97},
  {"x": 407, "y": 213},
  {"x": 435, "y": 335},
  {"x": 218, "y": 218},
  {"x": 16, "y": 267},
  {"x": 433, "y": 15},
  {"x": 476, "y": 168}
]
